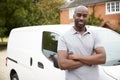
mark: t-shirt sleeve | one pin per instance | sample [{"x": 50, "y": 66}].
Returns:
[
  {"x": 61, "y": 44},
  {"x": 98, "y": 42}
]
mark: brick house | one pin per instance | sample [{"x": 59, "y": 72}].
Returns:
[{"x": 108, "y": 10}]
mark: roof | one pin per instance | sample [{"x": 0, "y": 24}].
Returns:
[{"x": 76, "y": 3}]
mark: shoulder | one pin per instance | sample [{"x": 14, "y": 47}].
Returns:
[
  {"x": 92, "y": 29},
  {"x": 68, "y": 32},
  {"x": 67, "y": 35}
]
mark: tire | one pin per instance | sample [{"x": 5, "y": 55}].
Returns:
[{"x": 14, "y": 77}]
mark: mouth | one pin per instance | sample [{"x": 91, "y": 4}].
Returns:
[{"x": 80, "y": 23}]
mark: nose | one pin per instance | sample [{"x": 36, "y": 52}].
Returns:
[{"x": 81, "y": 17}]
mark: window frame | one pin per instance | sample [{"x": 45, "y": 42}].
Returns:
[
  {"x": 71, "y": 12},
  {"x": 113, "y": 7},
  {"x": 46, "y": 51}
]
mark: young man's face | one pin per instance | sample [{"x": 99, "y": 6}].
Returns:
[{"x": 80, "y": 17}]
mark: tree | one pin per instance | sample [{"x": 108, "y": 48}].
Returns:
[
  {"x": 20, "y": 13},
  {"x": 49, "y": 11},
  {"x": 92, "y": 20},
  {"x": 3, "y": 29},
  {"x": 2, "y": 33}
]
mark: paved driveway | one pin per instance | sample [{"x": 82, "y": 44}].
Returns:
[{"x": 3, "y": 68}]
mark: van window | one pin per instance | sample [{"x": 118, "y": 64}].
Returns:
[{"x": 49, "y": 44}]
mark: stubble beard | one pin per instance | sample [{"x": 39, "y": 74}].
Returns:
[{"x": 79, "y": 26}]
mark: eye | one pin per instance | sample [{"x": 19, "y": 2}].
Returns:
[
  {"x": 84, "y": 15},
  {"x": 79, "y": 15}
]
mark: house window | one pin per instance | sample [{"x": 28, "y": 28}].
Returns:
[
  {"x": 113, "y": 7},
  {"x": 71, "y": 12},
  {"x": 117, "y": 6},
  {"x": 69, "y": 0}
]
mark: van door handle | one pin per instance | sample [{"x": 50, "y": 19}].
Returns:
[
  {"x": 31, "y": 61},
  {"x": 40, "y": 65}
]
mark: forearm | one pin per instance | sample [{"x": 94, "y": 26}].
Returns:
[
  {"x": 66, "y": 63},
  {"x": 93, "y": 59},
  {"x": 69, "y": 64},
  {"x": 97, "y": 57}
]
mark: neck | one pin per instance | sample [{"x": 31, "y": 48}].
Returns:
[{"x": 81, "y": 31}]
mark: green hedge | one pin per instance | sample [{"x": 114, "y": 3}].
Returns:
[
  {"x": 117, "y": 30},
  {"x": 3, "y": 45}
]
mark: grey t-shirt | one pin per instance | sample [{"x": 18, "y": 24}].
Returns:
[{"x": 84, "y": 44}]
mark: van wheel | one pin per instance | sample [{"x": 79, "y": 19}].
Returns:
[{"x": 14, "y": 77}]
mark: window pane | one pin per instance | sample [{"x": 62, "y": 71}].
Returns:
[
  {"x": 71, "y": 12},
  {"x": 112, "y": 6},
  {"x": 117, "y": 6},
  {"x": 108, "y": 7},
  {"x": 49, "y": 44}
]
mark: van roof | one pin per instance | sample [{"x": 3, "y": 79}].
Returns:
[
  {"x": 36, "y": 28},
  {"x": 56, "y": 27}
]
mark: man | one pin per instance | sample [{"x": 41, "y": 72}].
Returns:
[{"x": 80, "y": 50}]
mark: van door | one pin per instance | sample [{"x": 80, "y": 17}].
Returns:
[{"x": 47, "y": 69}]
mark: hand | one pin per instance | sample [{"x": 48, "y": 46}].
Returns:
[
  {"x": 93, "y": 53},
  {"x": 73, "y": 57}
]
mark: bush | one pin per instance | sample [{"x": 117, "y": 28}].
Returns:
[
  {"x": 94, "y": 20},
  {"x": 117, "y": 30},
  {"x": 3, "y": 45}
]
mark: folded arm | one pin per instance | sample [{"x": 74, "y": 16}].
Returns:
[
  {"x": 98, "y": 57},
  {"x": 65, "y": 63}
]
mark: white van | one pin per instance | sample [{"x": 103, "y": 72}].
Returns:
[{"x": 31, "y": 54}]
